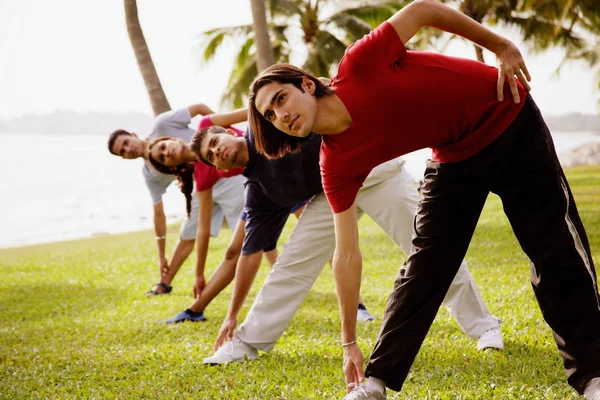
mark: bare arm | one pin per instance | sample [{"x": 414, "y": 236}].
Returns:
[
  {"x": 202, "y": 238},
  {"x": 199, "y": 109},
  {"x": 229, "y": 118},
  {"x": 160, "y": 230},
  {"x": 347, "y": 269},
  {"x": 246, "y": 270},
  {"x": 421, "y": 13}
]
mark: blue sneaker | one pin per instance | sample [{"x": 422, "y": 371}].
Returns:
[{"x": 186, "y": 316}]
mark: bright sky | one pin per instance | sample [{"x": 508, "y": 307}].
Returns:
[{"x": 76, "y": 55}]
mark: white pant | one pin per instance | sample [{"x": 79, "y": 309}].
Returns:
[
  {"x": 228, "y": 196},
  {"x": 228, "y": 202},
  {"x": 389, "y": 196}
]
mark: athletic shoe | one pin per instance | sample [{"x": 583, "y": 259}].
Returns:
[
  {"x": 185, "y": 316},
  {"x": 592, "y": 389},
  {"x": 363, "y": 315},
  {"x": 360, "y": 392},
  {"x": 232, "y": 351},
  {"x": 491, "y": 339}
]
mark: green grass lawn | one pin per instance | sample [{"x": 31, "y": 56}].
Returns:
[{"x": 74, "y": 324}]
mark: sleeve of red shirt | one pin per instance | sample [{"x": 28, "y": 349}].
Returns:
[
  {"x": 340, "y": 192},
  {"x": 340, "y": 189},
  {"x": 205, "y": 176},
  {"x": 381, "y": 47},
  {"x": 205, "y": 122}
]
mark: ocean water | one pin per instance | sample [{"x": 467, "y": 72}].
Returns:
[
  {"x": 60, "y": 187},
  {"x": 563, "y": 141}
]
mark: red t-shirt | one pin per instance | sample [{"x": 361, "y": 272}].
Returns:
[
  {"x": 205, "y": 175},
  {"x": 401, "y": 101}
]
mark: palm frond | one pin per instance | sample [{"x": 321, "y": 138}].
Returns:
[
  {"x": 352, "y": 26},
  {"x": 283, "y": 8},
  {"x": 316, "y": 64},
  {"x": 242, "y": 75},
  {"x": 331, "y": 48},
  {"x": 590, "y": 55},
  {"x": 244, "y": 54},
  {"x": 237, "y": 30},
  {"x": 541, "y": 34},
  {"x": 237, "y": 89},
  {"x": 212, "y": 39},
  {"x": 211, "y": 47},
  {"x": 372, "y": 15}
]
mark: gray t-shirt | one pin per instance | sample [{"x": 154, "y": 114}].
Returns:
[{"x": 174, "y": 123}]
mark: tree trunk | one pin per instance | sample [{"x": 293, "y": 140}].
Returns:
[
  {"x": 479, "y": 52},
  {"x": 264, "y": 51},
  {"x": 157, "y": 96}
]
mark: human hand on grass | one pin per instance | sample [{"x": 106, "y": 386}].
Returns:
[
  {"x": 199, "y": 286},
  {"x": 226, "y": 332},
  {"x": 353, "y": 366},
  {"x": 510, "y": 63},
  {"x": 163, "y": 265}
]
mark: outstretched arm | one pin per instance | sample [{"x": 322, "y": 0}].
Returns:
[
  {"x": 246, "y": 270},
  {"x": 202, "y": 238},
  {"x": 347, "y": 269},
  {"x": 229, "y": 118},
  {"x": 421, "y": 13},
  {"x": 160, "y": 230},
  {"x": 199, "y": 109}
]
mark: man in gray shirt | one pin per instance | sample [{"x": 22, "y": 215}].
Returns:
[{"x": 128, "y": 145}]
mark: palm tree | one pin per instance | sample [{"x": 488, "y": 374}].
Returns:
[
  {"x": 324, "y": 35},
  {"x": 264, "y": 52},
  {"x": 157, "y": 96},
  {"x": 542, "y": 23},
  {"x": 581, "y": 20}
]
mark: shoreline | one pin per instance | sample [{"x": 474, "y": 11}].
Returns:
[{"x": 587, "y": 153}]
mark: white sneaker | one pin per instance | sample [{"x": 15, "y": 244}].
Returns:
[
  {"x": 232, "y": 351},
  {"x": 360, "y": 392},
  {"x": 363, "y": 315},
  {"x": 491, "y": 339},
  {"x": 592, "y": 389}
]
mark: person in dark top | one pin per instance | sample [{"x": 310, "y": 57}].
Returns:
[{"x": 272, "y": 188}]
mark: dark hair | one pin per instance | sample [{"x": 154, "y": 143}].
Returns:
[
  {"x": 198, "y": 138},
  {"x": 184, "y": 173},
  {"x": 270, "y": 141},
  {"x": 113, "y": 137}
]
